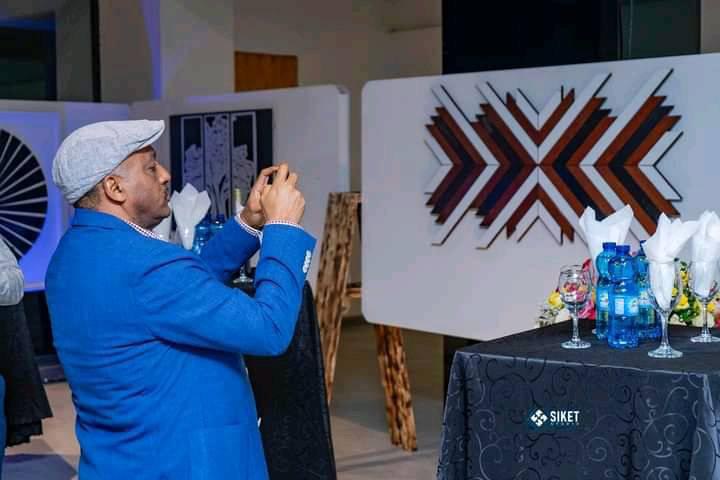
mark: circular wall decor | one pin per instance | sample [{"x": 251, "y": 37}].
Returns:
[{"x": 23, "y": 195}]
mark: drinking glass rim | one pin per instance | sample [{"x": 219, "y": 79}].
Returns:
[{"x": 568, "y": 268}]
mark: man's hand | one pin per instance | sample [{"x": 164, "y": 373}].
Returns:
[
  {"x": 282, "y": 201},
  {"x": 252, "y": 214}
]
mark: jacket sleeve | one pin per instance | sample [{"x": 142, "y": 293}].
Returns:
[
  {"x": 183, "y": 302},
  {"x": 229, "y": 249},
  {"x": 12, "y": 282}
]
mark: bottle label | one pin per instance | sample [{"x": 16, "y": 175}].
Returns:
[
  {"x": 619, "y": 306},
  {"x": 632, "y": 307},
  {"x": 626, "y": 307},
  {"x": 603, "y": 300},
  {"x": 644, "y": 299}
]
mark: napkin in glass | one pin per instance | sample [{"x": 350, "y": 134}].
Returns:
[
  {"x": 614, "y": 228},
  {"x": 661, "y": 249},
  {"x": 705, "y": 252},
  {"x": 189, "y": 207}
]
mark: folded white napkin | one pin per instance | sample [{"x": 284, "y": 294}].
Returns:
[
  {"x": 189, "y": 207},
  {"x": 705, "y": 253},
  {"x": 614, "y": 228},
  {"x": 661, "y": 250},
  {"x": 163, "y": 229}
]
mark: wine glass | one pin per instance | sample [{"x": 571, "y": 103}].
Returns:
[
  {"x": 574, "y": 286},
  {"x": 665, "y": 291},
  {"x": 704, "y": 284},
  {"x": 242, "y": 274}
]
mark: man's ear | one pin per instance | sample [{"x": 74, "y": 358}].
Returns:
[{"x": 112, "y": 186}]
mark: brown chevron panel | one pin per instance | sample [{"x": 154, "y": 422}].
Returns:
[
  {"x": 600, "y": 201},
  {"x": 572, "y": 130},
  {"x": 538, "y": 136},
  {"x": 454, "y": 171},
  {"x": 565, "y": 226},
  {"x": 617, "y": 165},
  {"x": 557, "y": 114},
  {"x": 562, "y": 187},
  {"x": 647, "y": 223},
  {"x": 507, "y": 134},
  {"x": 499, "y": 174},
  {"x": 520, "y": 212},
  {"x": 651, "y": 139},
  {"x": 656, "y": 197},
  {"x": 463, "y": 172},
  {"x": 458, "y": 195},
  {"x": 625, "y": 134},
  {"x": 522, "y": 120},
  {"x": 460, "y": 135},
  {"x": 517, "y": 182},
  {"x": 591, "y": 140}
]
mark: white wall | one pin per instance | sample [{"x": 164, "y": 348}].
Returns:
[
  {"x": 197, "y": 47},
  {"x": 458, "y": 289},
  {"x": 129, "y": 50},
  {"x": 168, "y": 49},
  {"x": 74, "y": 51},
  {"x": 709, "y": 26},
  {"x": 412, "y": 53},
  {"x": 310, "y": 132}
]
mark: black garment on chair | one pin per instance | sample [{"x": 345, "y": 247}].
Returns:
[
  {"x": 26, "y": 403},
  {"x": 292, "y": 403}
]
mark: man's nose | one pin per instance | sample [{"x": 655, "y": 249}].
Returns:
[{"x": 164, "y": 175}]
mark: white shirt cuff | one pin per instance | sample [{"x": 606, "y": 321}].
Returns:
[
  {"x": 252, "y": 231},
  {"x": 282, "y": 222}
]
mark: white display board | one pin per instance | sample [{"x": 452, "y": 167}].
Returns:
[{"x": 461, "y": 279}]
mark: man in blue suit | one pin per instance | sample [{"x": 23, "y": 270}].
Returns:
[{"x": 150, "y": 338}]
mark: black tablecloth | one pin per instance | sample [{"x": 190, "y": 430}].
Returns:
[
  {"x": 291, "y": 401},
  {"x": 25, "y": 403},
  {"x": 639, "y": 417}
]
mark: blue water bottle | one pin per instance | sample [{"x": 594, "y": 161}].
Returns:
[
  {"x": 217, "y": 224},
  {"x": 602, "y": 290},
  {"x": 624, "y": 301},
  {"x": 648, "y": 327},
  {"x": 202, "y": 235}
]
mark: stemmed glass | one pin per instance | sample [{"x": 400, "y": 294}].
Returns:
[
  {"x": 704, "y": 285},
  {"x": 662, "y": 273},
  {"x": 242, "y": 275},
  {"x": 574, "y": 285}
]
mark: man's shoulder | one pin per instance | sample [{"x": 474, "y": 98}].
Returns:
[{"x": 124, "y": 249}]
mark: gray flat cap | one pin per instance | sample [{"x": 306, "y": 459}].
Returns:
[{"x": 91, "y": 152}]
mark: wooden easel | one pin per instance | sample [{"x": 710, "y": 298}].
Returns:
[{"x": 332, "y": 294}]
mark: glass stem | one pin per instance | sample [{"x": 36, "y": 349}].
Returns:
[
  {"x": 705, "y": 329},
  {"x": 576, "y": 333},
  {"x": 664, "y": 325}
]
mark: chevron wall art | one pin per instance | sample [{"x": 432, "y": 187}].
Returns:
[{"x": 514, "y": 163}]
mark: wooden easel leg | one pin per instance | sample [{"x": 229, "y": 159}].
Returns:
[
  {"x": 340, "y": 225},
  {"x": 396, "y": 383}
]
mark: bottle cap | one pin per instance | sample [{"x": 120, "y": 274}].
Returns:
[
  {"x": 608, "y": 245},
  {"x": 623, "y": 249}
]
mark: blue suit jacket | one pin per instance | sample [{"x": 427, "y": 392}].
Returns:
[{"x": 151, "y": 342}]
